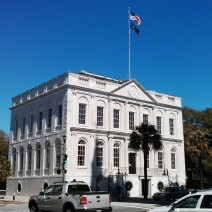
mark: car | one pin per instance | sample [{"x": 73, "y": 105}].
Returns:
[
  {"x": 170, "y": 193},
  {"x": 195, "y": 202},
  {"x": 70, "y": 196}
]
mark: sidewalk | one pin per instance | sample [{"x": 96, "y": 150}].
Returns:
[{"x": 14, "y": 199}]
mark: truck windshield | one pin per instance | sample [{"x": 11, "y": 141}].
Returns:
[{"x": 75, "y": 188}]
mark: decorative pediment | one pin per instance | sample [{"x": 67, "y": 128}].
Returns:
[{"x": 132, "y": 89}]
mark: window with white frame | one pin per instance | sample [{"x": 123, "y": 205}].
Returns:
[
  {"x": 40, "y": 120},
  {"x": 48, "y": 150},
  {"x": 21, "y": 158},
  {"x": 171, "y": 126},
  {"x": 38, "y": 156},
  {"x": 14, "y": 161},
  {"x": 81, "y": 153},
  {"x": 23, "y": 126},
  {"x": 160, "y": 160},
  {"x": 145, "y": 118},
  {"x": 82, "y": 113},
  {"x": 16, "y": 128},
  {"x": 116, "y": 118},
  {"x": 158, "y": 124},
  {"x": 99, "y": 153},
  {"x": 60, "y": 115},
  {"x": 31, "y": 123},
  {"x": 100, "y": 113},
  {"x": 132, "y": 162},
  {"x": 148, "y": 160},
  {"x": 58, "y": 153},
  {"x": 131, "y": 120},
  {"x": 49, "y": 120},
  {"x": 173, "y": 158},
  {"x": 116, "y": 155},
  {"x": 29, "y": 157}
]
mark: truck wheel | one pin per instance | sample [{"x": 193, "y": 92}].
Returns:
[
  {"x": 69, "y": 209},
  {"x": 33, "y": 208}
]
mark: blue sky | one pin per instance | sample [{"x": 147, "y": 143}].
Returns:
[{"x": 41, "y": 39}]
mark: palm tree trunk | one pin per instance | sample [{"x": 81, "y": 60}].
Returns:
[{"x": 145, "y": 176}]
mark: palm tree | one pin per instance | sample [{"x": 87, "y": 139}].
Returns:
[{"x": 145, "y": 137}]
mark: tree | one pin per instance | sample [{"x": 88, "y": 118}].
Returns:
[
  {"x": 5, "y": 168},
  {"x": 197, "y": 148},
  {"x": 198, "y": 152},
  {"x": 145, "y": 137}
]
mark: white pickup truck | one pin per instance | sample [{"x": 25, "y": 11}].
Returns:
[{"x": 74, "y": 196}]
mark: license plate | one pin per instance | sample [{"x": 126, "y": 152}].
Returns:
[{"x": 98, "y": 210}]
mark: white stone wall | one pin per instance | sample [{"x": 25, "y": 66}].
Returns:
[{"x": 71, "y": 89}]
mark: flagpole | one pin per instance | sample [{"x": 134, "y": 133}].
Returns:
[{"x": 129, "y": 42}]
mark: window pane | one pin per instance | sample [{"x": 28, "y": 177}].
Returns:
[
  {"x": 148, "y": 160},
  {"x": 29, "y": 157},
  {"x": 189, "y": 202},
  {"x": 160, "y": 160},
  {"x": 48, "y": 155},
  {"x": 58, "y": 153},
  {"x": 40, "y": 118},
  {"x": 158, "y": 124},
  {"x": 21, "y": 158},
  {"x": 82, "y": 113},
  {"x": 116, "y": 118},
  {"x": 60, "y": 115},
  {"x": 145, "y": 118},
  {"x": 116, "y": 153},
  {"x": 131, "y": 120},
  {"x": 99, "y": 154},
  {"x": 171, "y": 126},
  {"x": 23, "y": 126},
  {"x": 31, "y": 123},
  {"x": 81, "y": 153},
  {"x": 49, "y": 118},
  {"x": 38, "y": 156},
  {"x": 99, "y": 116},
  {"x": 173, "y": 160},
  {"x": 16, "y": 128},
  {"x": 206, "y": 202}
]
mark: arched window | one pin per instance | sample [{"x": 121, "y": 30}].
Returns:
[
  {"x": 21, "y": 158},
  {"x": 48, "y": 155},
  {"x": 29, "y": 157},
  {"x": 38, "y": 156},
  {"x": 14, "y": 161},
  {"x": 99, "y": 153},
  {"x": 173, "y": 158},
  {"x": 58, "y": 153},
  {"x": 116, "y": 155},
  {"x": 81, "y": 153}
]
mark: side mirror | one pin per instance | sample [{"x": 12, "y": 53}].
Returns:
[{"x": 41, "y": 193}]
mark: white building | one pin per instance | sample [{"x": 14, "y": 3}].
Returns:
[{"x": 97, "y": 115}]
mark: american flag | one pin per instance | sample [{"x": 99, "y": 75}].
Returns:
[{"x": 135, "y": 18}]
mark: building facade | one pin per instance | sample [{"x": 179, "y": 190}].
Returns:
[{"x": 89, "y": 118}]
